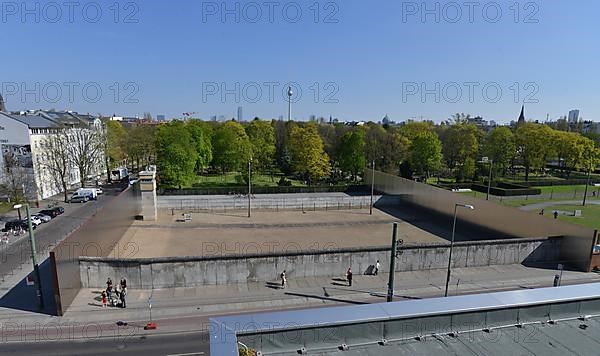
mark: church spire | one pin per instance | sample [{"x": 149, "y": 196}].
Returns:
[{"x": 522, "y": 116}]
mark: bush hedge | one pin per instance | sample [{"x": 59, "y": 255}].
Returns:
[{"x": 507, "y": 190}]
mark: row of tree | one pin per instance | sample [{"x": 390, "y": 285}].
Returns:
[{"x": 332, "y": 153}]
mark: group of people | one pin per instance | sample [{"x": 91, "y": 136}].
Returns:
[
  {"x": 283, "y": 276},
  {"x": 115, "y": 296}
]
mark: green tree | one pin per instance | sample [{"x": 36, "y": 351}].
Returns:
[
  {"x": 460, "y": 148},
  {"x": 389, "y": 148},
  {"x": 351, "y": 153},
  {"x": 308, "y": 156},
  {"x": 413, "y": 128},
  {"x": 425, "y": 153},
  {"x": 140, "y": 145},
  {"x": 116, "y": 138},
  {"x": 231, "y": 147},
  {"x": 262, "y": 139},
  {"x": 572, "y": 150},
  {"x": 499, "y": 146},
  {"x": 533, "y": 145},
  {"x": 201, "y": 134},
  {"x": 176, "y": 154}
]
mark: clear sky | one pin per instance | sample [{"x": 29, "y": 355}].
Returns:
[{"x": 355, "y": 60}]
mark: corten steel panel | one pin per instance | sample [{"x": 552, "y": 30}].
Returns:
[
  {"x": 503, "y": 221},
  {"x": 95, "y": 238},
  {"x": 420, "y": 316}
]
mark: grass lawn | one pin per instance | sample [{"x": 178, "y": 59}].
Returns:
[
  {"x": 231, "y": 179},
  {"x": 590, "y": 214},
  {"x": 5, "y": 207},
  {"x": 563, "y": 189}
]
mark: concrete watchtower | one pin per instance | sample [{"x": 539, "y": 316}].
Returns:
[{"x": 148, "y": 190}]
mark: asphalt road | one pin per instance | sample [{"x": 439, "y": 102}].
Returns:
[
  {"x": 183, "y": 344},
  {"x": 18, "y": 253}
]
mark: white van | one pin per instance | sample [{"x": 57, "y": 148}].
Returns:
[{"x": 91, "y": 193}]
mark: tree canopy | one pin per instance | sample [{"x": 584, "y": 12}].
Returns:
[
  {"x": 231, "y": 146},
  {"x": 176, "y": 154},
  {"x": 308, "y": 156}
]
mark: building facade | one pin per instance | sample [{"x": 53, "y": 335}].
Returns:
[{"x": 24, "y": 155}]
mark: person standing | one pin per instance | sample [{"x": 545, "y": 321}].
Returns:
[
  {"x": 349, "y": 276},
  {"x": 104, "y": 301},
  {"x": 376, "y": 268},
  {"x": 283, "y": 279},
  {"x": 109, "y": 292},
  {"x": 123, "y": 296}
]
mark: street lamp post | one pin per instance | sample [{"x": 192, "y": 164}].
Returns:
[
  {"x": 587, "y": 182},
  {"x": 452, "y": 242},
  {"x": 249, "y": 183},
  {"x": 372, "y": 186},
  {"x": 491, "y": 162},
  {"x": 36, "y": 268},
  {"x": 289, "y": 94}
]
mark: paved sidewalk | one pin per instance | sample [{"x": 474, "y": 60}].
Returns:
[{"x": 188, "y": 309}]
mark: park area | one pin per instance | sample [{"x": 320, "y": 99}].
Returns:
[{"x": 565, "y": 199}]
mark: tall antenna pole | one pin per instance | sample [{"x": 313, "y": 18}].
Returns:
[{"x": 290, "y": 93}]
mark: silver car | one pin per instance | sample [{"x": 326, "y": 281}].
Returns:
[{"x": 44, "y": 218}]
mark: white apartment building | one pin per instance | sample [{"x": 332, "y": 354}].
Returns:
[{"x": 22, "y": 136}]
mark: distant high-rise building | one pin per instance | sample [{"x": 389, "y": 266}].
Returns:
[
  {"x": 240, "y": 114},
  {"x": 213, "y": 118},
  {"x": 160, "y": 117},
  {"x": 312, "y": 118},
  {"x": 2, "y": 105},
  {"x": 573, "y": 116}
]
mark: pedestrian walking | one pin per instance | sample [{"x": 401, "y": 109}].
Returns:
[
  {"x": 104, "y": 301},
  {"x": 283, "y": 279},
  {"x": 349, "y": 276},
  {"x": 109, "y": 282},
  {"x": 376, "y": 268},
  {"x": 123, "y": 295},
  {"x": 123, "y": 283},
  {"x": 556, "y": 214}
]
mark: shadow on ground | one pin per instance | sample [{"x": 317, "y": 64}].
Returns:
[
  {"x": 24, "y": 297},
  {"x": 439, "y": 224}
]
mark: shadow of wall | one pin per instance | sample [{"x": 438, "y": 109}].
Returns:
[{"x": 96, "y": 238}]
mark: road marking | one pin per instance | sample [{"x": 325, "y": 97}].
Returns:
[{"x": 188, "y": 354}]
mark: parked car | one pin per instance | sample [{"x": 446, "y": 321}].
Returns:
[
  {"x": 59, "y": 209},
  {"x": 43, "y": 217},
  {"x": 35, "y": 221},
  {"x": 99, "y": 191},
  {"x": 15, "y": 225},
  {"x": 50, "y": 212},
  {"x": 79, "y": 198}
]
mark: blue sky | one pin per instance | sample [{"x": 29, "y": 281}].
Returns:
[{"x": 355, "y": 60}]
